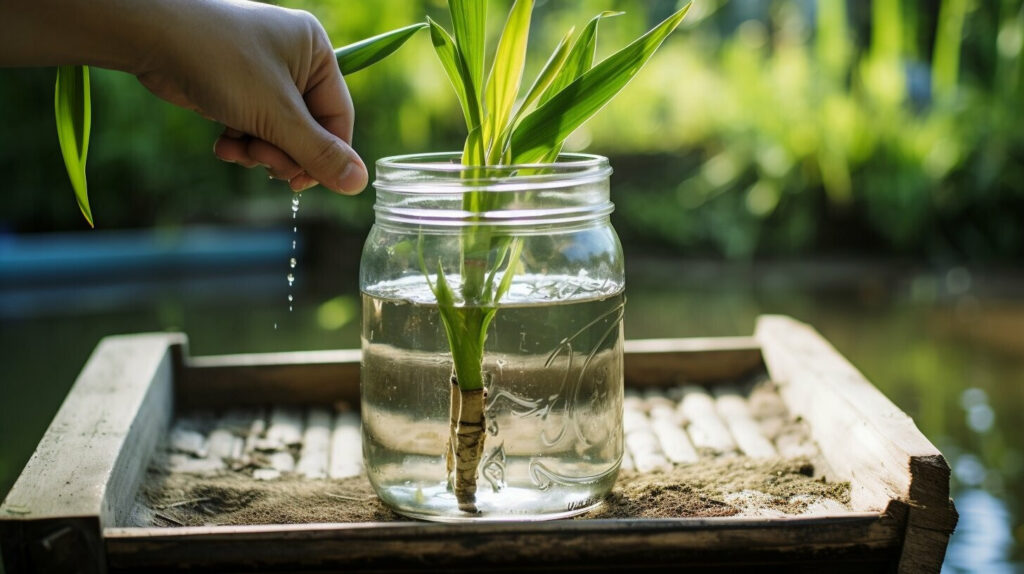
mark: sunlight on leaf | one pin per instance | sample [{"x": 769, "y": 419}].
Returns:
[
  {"x": 551, "y": 123},
  {"x": 72, "y": 105},
  {"x": 580, "y": 58},
  {"x": 359, "y": 55},
  {"x": 469, "y": 19},
  {"x": 546, "y": 76},
  {"x": 506, "y": 74},
  {"x": 448, "y": 54}
]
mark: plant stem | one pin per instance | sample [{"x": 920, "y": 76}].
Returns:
[{"x": 469, "y": 446}]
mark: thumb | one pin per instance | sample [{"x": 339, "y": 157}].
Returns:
[{"x": 325, "y": 157}]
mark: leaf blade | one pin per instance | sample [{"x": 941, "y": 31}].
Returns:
[
  {"x": 469, "y": 21},
  {"x": 72, "y": 106},
  {"x": 580, "y": 58},
  {"x": 548, "y": 73},
  {"x": 546, "y": 127},
  {"x": 506, "y": 74},
  {"x": 448, "y": 53},
  {"x": 361, "y": 54}
]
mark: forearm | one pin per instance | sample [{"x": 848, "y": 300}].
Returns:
[{"x": 116, "y": 34}]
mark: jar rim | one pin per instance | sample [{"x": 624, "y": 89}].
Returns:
[
  {"x": 432, "y": 171},
  {"x": 447, "y": 163},
  {"x": 430, "y": 189}
]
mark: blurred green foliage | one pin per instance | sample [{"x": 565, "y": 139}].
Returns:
[{"x": 764, "y": 127}]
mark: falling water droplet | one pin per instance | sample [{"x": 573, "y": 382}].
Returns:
[{"x": 292, "y": 261}]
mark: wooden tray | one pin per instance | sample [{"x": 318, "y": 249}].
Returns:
[{"x": 69, "y": 509}]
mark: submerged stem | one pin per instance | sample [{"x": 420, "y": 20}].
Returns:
[{"x": 469, "y": 446}]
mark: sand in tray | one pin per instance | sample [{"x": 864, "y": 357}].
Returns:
[{"x": 691, "y": 452}]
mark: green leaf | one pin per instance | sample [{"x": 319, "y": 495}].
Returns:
[
  {"x": 506, "y": 75},
  {"x": 547, "y": 74},
  {"x": 547, "y": 127},
  {"x": 469, "y": 19},
  {"x": 515, "y": 253},
  {"x": 466, "y": 329},
  {"x": 455, "y": 69},
  {"x": 510, "y": 270},
  {"x": 72, "y": 105},
  {"x": 580, "y": 58},
  {"x": 544, "y": 78},
  {"x": 474, "y": 154},
  {"x": 355, "y": 57}
]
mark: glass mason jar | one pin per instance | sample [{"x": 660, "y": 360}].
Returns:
[{"x": 549, "y": 273}]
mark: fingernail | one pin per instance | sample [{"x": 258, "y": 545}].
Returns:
[{"x": 301, "y": 183}]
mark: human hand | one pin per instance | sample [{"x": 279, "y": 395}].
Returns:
[{"x": 269, "y": 75}]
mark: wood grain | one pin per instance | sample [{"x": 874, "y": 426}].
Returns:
[
  {"x": 86, "y": 470},
  {"x": 864, "y": 437},
  {"x": 309, "y": 377},
  {"x": 665, "y": 362},
  {"x": 720, "y": 543}
]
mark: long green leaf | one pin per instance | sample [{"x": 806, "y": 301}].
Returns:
[
  {"x": 547, "y": 74},
  {"x": 580, "y": 58},
  {"x": 506, "y": 75},
  {"x": 515, "y": 253},
  {"x": 544, "y": 78},
  {"x": 455, "y": 69},
  {"x": 469, "y": 20},
  {"x": 547, "y": 126},
  {"x": 473, "y": 153},
  {"x": 355, "y": 57},
  {"x": 466, "y": 329},
  {"x": 72, "y": 105}
]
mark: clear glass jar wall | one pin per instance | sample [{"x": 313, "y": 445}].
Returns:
[{"x": 552, "y": 364}]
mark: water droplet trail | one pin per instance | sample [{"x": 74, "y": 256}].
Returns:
[{"x": 292, "y": 262}]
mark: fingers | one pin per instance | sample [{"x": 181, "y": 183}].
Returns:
[
  {"x": 278, "y": 164},
  {"x": 302, "y": 132},
  {"x": 319, "y": 139},
  {"x": 233, "y": 149},
  {"x": 302, "y": 182},
  {"x": 234, "y": 146}
]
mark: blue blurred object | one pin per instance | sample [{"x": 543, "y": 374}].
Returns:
[
  {"x": 61, "y": 273},
  {"x": 34, "y": 257}
]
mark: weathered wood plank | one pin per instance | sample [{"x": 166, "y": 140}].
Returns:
[
  {"x": 316, "y": 444},
  {"x": 864, "y": 437},
  {"x": 86, "y": 470},
  {"x": 309, "y": 377},
  {"x": 706, "y": 429},
  {"x": 664, "y": 362},
  {"x": 589, "y": 544},
  {"x": 346, "y": 457},
  {"x": 641, "y": 442},
  {"x": 324, "y": 377},
  {"x": 666, "y": 425},
  {"x": 732, "y": 408}
]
